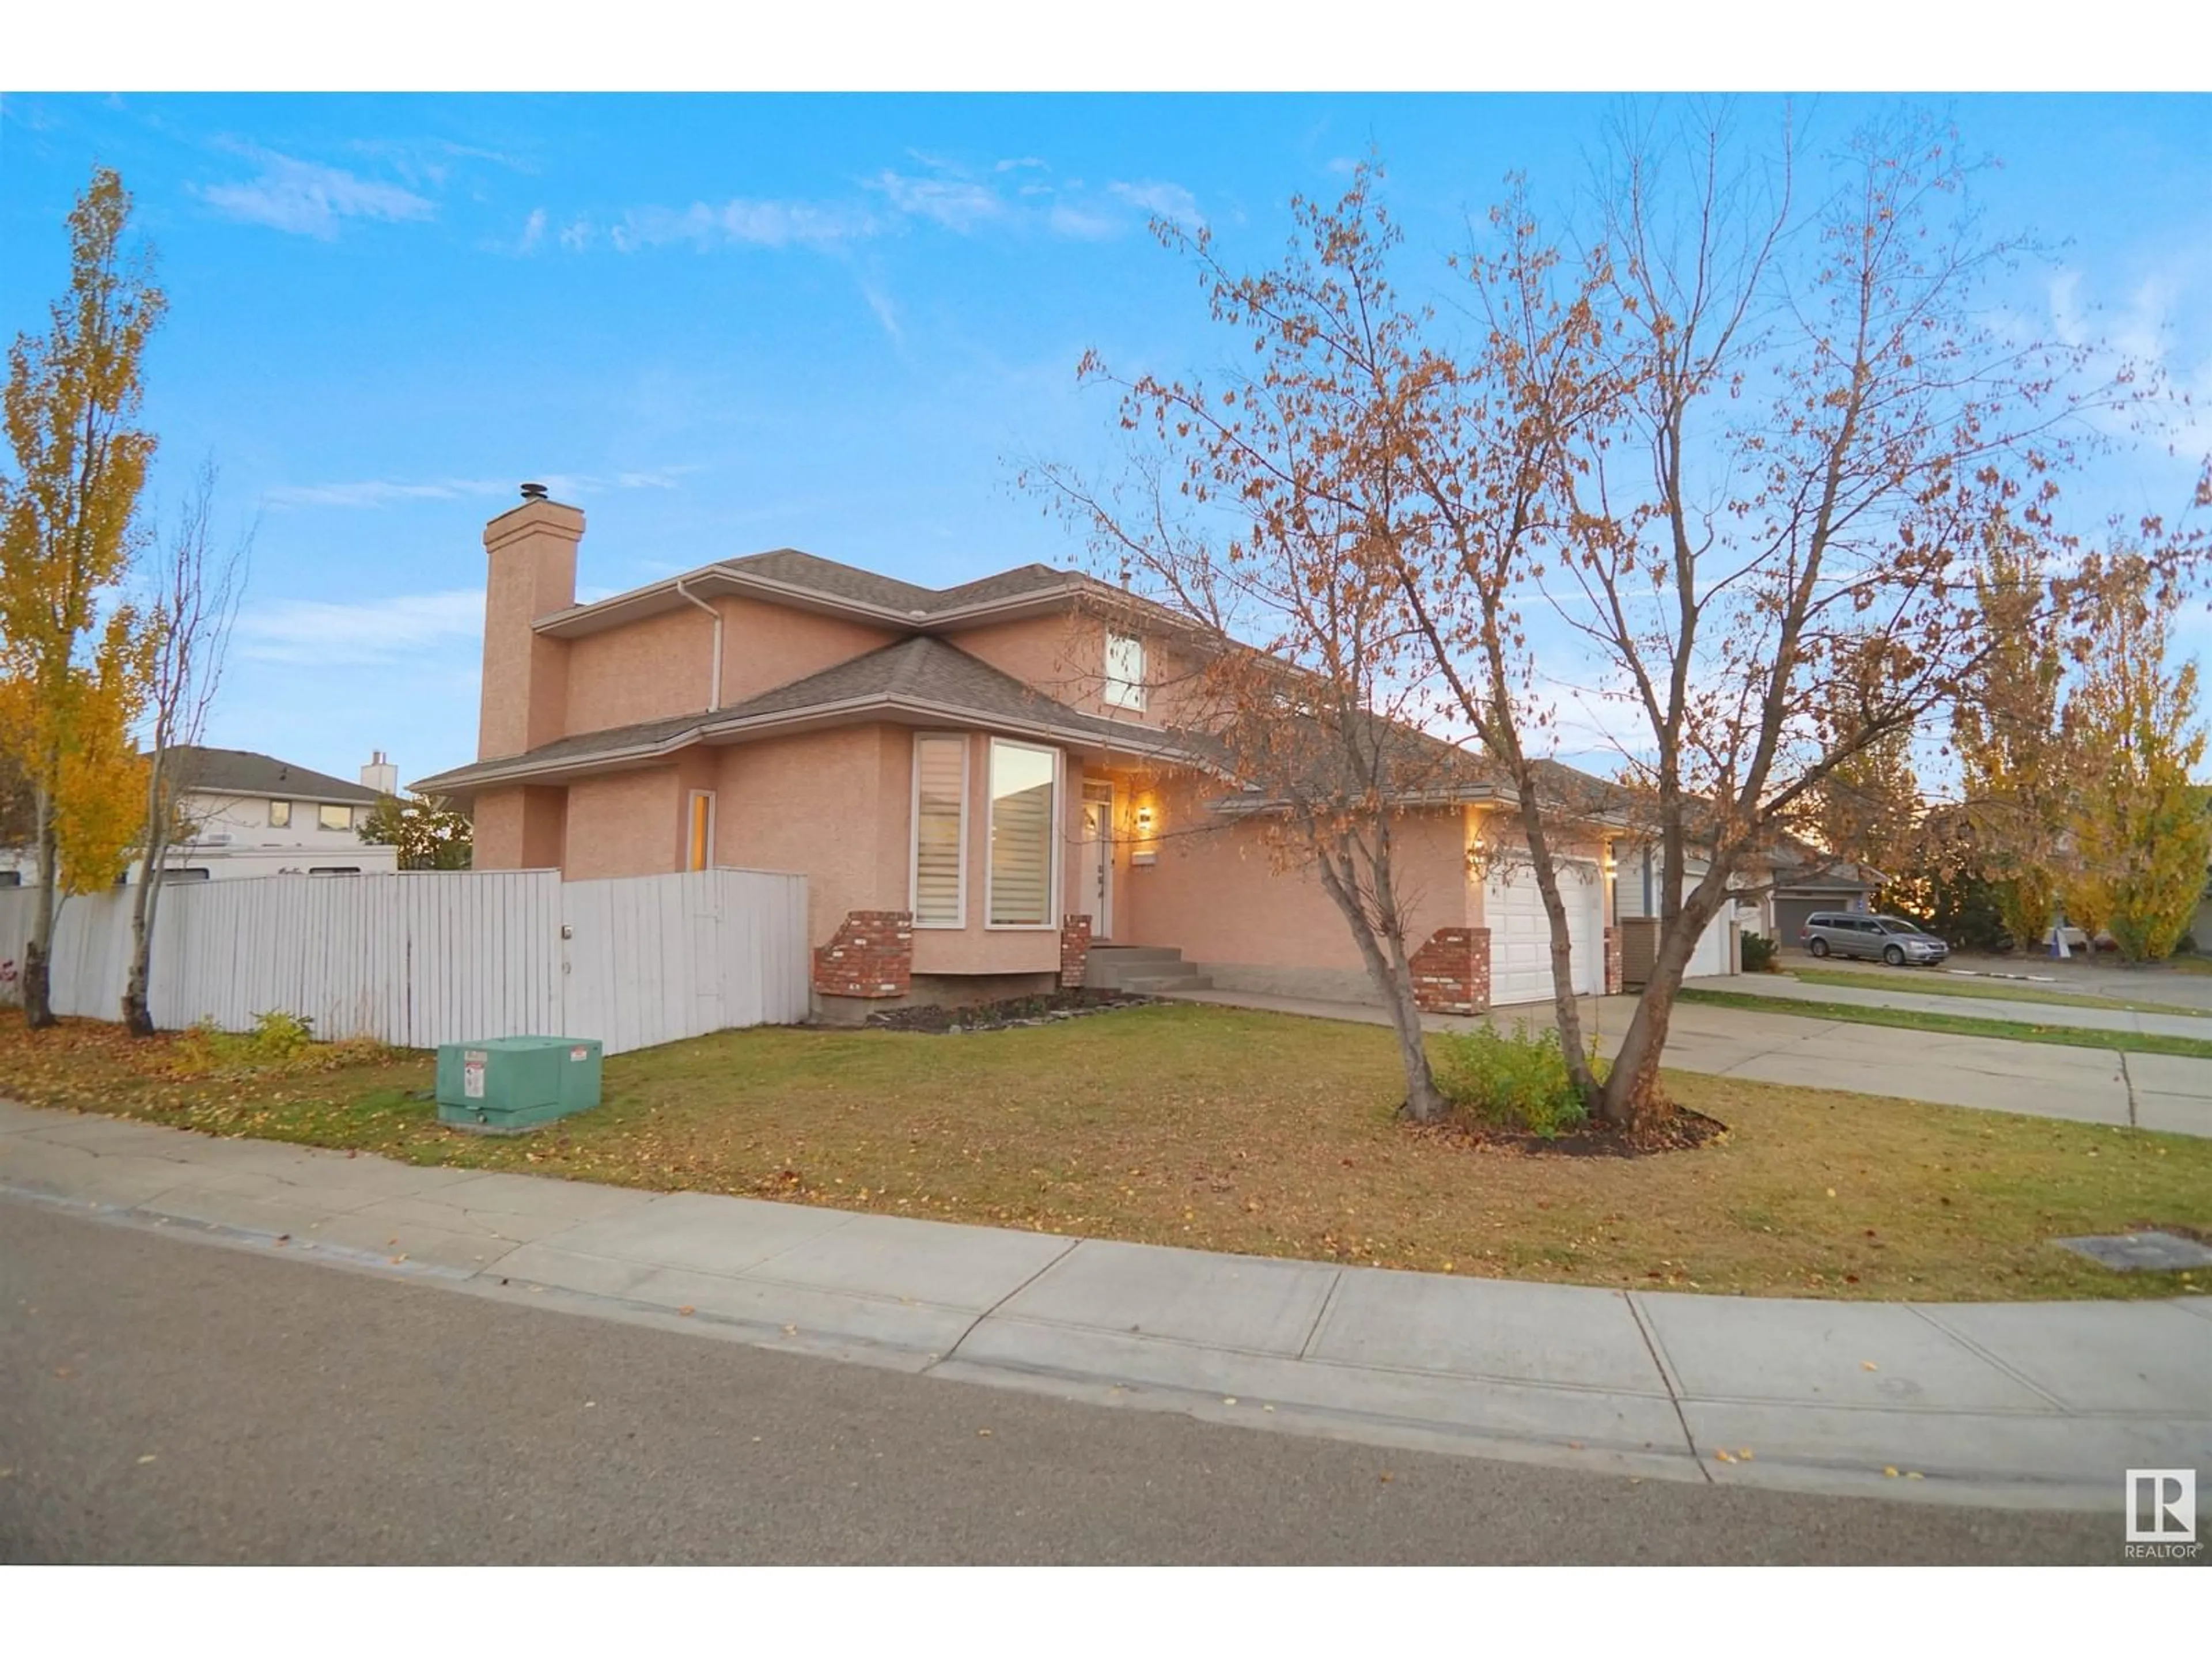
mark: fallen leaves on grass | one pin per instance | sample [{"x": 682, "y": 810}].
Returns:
[{"x": 1097, "y": 1127}]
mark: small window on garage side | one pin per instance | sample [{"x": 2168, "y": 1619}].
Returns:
[
  {"x": 280, "y": 815},
  {"x": 187, "y": 872},
  {"x": 334, "y": 818},
  {"x": 699, "y": 830},
  {"x": 334, "y": 869},
  {"x": 1125, "y": 671}
]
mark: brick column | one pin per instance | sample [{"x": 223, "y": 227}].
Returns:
[
  {"x": 1451, "y": 972},
  {"x": 1613, "y": 980},
  {"x": 1074, "y": 951},
  {"x": 871, "y": 955}
]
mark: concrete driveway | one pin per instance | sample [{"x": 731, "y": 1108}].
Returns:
[
  {"x": 2041, "y": 1079},
  {"x": 2103, "y": 977},
  {"x": 1925, "y": 994}
]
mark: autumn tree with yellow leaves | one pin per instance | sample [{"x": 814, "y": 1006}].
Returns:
[
  {"x": 74, "y": 656},
  {"x": 2005, "y": 730},
  {"x": 2140, "y": 836}
]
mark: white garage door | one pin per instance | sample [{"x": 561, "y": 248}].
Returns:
[
  {"x": 1520, "y": 933},
  {"x": 1711, "y": 955}
]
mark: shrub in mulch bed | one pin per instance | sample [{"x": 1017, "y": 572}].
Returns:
[
  {"x": 1011, "y": 1011},
  {"x": 1681, "y": 1132}
]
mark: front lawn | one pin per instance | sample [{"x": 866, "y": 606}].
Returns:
[
  {"x": 1856, "y": 1013},
  {"x": 1264, "y": 1133}
]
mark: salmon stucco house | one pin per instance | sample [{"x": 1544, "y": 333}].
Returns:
[{"x": 985, "y": 785}]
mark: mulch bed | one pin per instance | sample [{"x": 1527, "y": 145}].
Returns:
[
  {"x": 1683, "y": 1131},
  {"x": 1003, "y": 1015}
]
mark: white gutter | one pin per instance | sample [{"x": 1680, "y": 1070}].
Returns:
[{"x": 714, "y": 688}]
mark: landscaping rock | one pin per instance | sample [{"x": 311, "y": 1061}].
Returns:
[{"x": 1004, "y": 1015}]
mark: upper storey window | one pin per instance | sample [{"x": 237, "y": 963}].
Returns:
[{"x": 1125, "y": 671}]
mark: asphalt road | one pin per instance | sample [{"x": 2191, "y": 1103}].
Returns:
[{"x": 164, "y": 1399}]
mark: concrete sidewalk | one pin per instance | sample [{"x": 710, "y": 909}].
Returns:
[
  {"x": 1927, "y": 998},
  {"x": 2032, "y": 1405},
  {"x": 2165, "y": 1092}
]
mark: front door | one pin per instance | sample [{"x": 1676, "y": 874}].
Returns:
[{"x": 1098, "y": 855}]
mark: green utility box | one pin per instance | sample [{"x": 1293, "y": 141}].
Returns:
[{"x": 512, "y": 1084}]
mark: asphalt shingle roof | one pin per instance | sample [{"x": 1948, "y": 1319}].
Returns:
[
  {"x": 919, "y": 668},
  {"x": 243, "y": 772},
  {"x": 793, "y": 568}
]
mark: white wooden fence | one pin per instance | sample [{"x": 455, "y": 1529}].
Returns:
[{"x": 426, "y": 957}]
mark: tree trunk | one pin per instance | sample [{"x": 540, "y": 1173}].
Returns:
[
  {"x": 1425, "y": 1102},
  {"x": 39, "y": 949},
  {"x": 137, "y": 1015},
  {"x": 1566, "y": 1005},
  {"x": 1393, "y": 973},
  {"x": 1631, "y": 1100}
]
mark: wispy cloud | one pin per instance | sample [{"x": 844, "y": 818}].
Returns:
[
  {"x": 381, "y": 492},
  {"x": 2151, "y": 331},
  {"x": 739, "y": 221},
  {"x": 1083, "y": 224},
  {"x": 533, "y": 231},
  {"x": 384, "y": 492},
  {"x": 1018, "y": 195},
  {"x": 429, "y": 162},
  {"x": 1162, "y": 200},
  {"x": 306, "y": 199},
  {"x": 373, "y": 633},
  {"x": 886, "y": 313},
  {"x": 955, "y": 202}
]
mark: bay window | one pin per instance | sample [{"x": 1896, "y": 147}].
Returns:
[
  {"x": 1024, "y": 838},
  {"x": 939, "y": 897}
]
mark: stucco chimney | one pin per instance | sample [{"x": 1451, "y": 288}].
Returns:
[
  {"x": 381, "y": 775},
  {"x": 532, "y": 550}
]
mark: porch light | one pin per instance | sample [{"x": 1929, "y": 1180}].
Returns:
[{"x": 1144, "y": 820}]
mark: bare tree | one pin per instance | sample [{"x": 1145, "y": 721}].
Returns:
[
  {"x": 200, "y": 590},
  {"x": 1774, "y": 522},
  {"x": 1256, "y": 512}
]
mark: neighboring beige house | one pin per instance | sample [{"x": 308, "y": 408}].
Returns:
[
  {"x": 254, "y": 815},
  {"x": 985, "y": 785}
]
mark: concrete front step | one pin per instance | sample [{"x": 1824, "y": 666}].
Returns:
[
  {"x": 1150, "y": 984},
  {"x": 1140, "y": 968}
]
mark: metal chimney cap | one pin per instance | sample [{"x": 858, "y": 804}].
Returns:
[{"x": 533, "y": 492}]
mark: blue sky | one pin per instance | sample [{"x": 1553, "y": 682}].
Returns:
[{"x": 722, "y": 324}]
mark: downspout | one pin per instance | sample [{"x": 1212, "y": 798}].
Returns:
[{"x": 714, "y": 686}]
